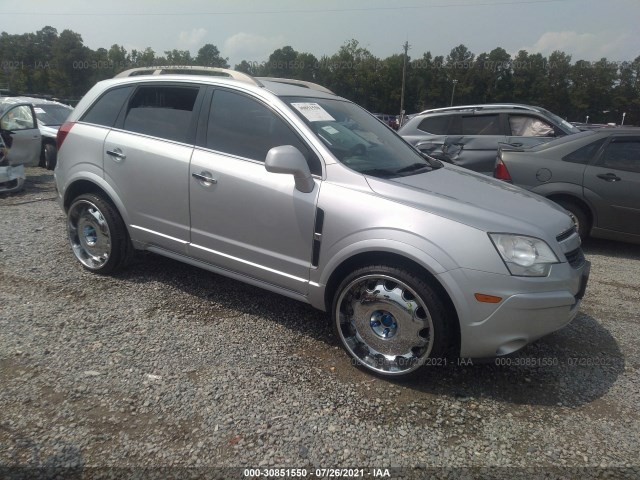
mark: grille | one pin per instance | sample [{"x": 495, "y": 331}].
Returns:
[
  {"x": 575, "y": 258},
  {"x": 564, "y": 235}
]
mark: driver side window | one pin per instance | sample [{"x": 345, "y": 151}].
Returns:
[{"x": 241, "y": 126}]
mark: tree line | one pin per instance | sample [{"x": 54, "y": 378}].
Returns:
[{"x": 59, "y": 64}]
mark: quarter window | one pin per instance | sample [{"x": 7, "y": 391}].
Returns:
[
  {"x": 622, "y": 154},
  {"x": 105, "y": 111},
  {"x": 435, "y": 125},
  {"x": 162, "y": 111},
  {"x": 241, "y": 126},
  {"x": 481, "y": 125},
  {"x": 584, "y": 154}
]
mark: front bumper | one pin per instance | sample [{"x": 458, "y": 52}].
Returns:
[
  {"x": 530, "y": 309},
  {"x": 12, "y": 179}
]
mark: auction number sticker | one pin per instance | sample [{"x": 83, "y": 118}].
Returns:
[{"x": 313, "y": 112}]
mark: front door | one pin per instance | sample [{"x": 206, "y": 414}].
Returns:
[
  {"x": 21, "y": 136},
  {"x": 244, "y": 218}
]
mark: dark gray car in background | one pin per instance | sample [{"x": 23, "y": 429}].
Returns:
[
  {"x": 469, "y": 136},
  {"x": 595, "y": 175}
]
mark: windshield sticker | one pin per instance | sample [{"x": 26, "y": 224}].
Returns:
[
  {"x": 313, "y": 112},
  {"x": 39, "y": 110},
  {"x": 330, "y": 130}
]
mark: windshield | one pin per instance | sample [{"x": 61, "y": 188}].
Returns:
[
  {"x": 567, "y": 126},
  {"x": 52, "y": 114},
  {"x": 358, "y": 139}
]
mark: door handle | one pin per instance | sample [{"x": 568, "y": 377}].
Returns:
[
  {"x": 117, "y": 154},
  {"x": 609, "y": 177},
  {"x": 204, "y": 178}
]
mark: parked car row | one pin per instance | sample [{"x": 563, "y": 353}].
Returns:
[{"x": 28, "y": 128}]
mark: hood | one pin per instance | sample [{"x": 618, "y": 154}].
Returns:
[{"x": 476, "y": 200}]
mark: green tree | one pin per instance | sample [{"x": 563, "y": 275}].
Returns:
[{"x": 209, "y": 56}]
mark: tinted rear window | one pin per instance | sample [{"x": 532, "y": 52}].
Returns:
[
  {"x": 105, "y": 111},
  {"x": 162, "y": 111},
  {"x": 435, "y": 125},
  {"x": 481, "y": 125}
]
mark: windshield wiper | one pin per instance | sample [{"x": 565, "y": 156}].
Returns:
[
  {"x": 379, "y": 172},
  {"x": 413, "y": 167}
]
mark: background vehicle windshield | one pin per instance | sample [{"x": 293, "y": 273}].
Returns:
[
  {"x": 52, "y": 114},
  {"x": 568, "y": 127},
  {"x": 357, "y": 139}
]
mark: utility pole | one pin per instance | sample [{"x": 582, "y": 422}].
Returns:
[
  {"x": 404, "y": 76},
  {"x": 455, "y": 82}
]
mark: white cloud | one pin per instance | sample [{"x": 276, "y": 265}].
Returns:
[
  {"x": 588, "y": 46},
  {"x": 250, "y": 47},
  {"x": 193, "y": 39}
]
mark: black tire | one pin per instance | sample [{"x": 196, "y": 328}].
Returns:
[
  {"x": 97, "y": 234},
  {"x": 579, "y": 216},
  {"x": 50, "y": 156},
  {"x": 409, "y": 322}
]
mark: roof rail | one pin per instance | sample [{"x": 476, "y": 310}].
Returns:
[
  {"x": 489, "y": 106},
  {"x": 298, "y": 83},
  {"x": 191, "y": 70}
]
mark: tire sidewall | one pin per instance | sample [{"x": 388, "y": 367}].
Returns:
[{"x": 438, "y": 311}]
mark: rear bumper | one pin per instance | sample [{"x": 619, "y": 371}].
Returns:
[
  {"x": 12, "y": 179},
  {"x": 530, "y": 309}
]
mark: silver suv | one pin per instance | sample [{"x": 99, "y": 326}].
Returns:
[{"x": 296, "y": 190}]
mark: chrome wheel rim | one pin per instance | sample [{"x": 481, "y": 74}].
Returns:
[
  {"x": 384, "y": 324},
  {"x": 89, "y": 234}
]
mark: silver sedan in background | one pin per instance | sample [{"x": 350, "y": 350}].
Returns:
[{"x": 595, "y": 175}]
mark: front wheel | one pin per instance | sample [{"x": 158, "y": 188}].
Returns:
[
  {"x": 50, "y": 156},
  {"x": 390, "y": 321},
  {"x": 97, "y": 234},
  {"x": 579, "y": 217}
]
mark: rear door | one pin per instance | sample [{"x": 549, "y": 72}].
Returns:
[
  {"x": 476, "y": 146},
  {"x": 146, "y": 160},
  {"x": 21, "y": 135},
  {"x": 612, "y": 185},
  {"x": 245, "y": 219}
]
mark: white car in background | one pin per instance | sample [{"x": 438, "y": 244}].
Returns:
[{"x": 29, "y": 127}]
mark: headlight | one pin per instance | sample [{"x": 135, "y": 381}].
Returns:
[{"x": 524, "y": 256}]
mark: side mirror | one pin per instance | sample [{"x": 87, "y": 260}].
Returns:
[{"x": 288, "y": 159}]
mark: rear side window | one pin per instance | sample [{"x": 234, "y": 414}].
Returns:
[
  {"x": 435, "y": 125},
  {"x": 584, "y": 154},
  {"x": 622, "y": 154},
  {"x": 481, "y": 125},
  {"x": 162, "y": 111},
  {"x": 105, "y": 111},
  {"x": 241, "y": 126}
]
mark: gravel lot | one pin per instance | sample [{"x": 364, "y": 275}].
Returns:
[{"x": 167, "y": 365}]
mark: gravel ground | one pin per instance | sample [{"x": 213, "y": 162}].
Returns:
[{"x": 167, "y": 365}]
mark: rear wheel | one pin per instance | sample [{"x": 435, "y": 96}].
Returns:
[
  {"x": 97, "y": 234},
  {"x": 579, "y": 216},
  {"x": 390, "y": 321}
]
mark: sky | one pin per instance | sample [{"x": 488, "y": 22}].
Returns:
[{"x": 252, "y": 29}]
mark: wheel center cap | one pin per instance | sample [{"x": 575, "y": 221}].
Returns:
[
  {"x": 383, "y": 324},
  {"x": 90, "y": 235}
]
